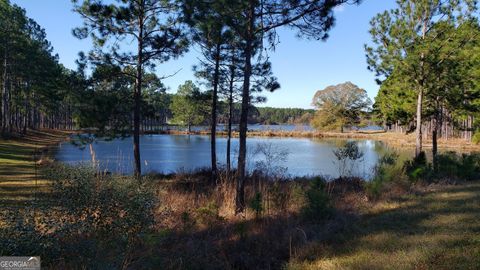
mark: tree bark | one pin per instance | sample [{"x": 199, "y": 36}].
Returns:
[
  {"x": 230, "y": 113},
  {"x": 240, "y": 194},
  {"x": 213, "y": 130},
  {"x": 5, "y": 99},
  {"x": 418, "y": 130},
  {"x": 435, "y": 140},
  {"x": 26, "y": 113},
  {"x": 137, "y": 96}
]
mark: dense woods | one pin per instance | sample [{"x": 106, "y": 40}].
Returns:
[
  {"x": 36, "y": 90},
  {"x": 269, "y": 115}
]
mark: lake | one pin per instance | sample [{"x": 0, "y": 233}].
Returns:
[{"x": 173, "y": 153}]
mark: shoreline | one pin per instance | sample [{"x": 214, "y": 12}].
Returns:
[{"x": 393, "y": 139}]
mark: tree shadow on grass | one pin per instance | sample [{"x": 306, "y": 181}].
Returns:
[{"x": 436, "y": 230}]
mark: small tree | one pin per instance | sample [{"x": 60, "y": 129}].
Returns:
[
  {"x": 339, "y": 106},
  {"x": 347, "y": 156},
  {"x": 188, "y": 105}
]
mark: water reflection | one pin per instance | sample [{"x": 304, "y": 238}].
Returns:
[{"x": 171, "y": 153}]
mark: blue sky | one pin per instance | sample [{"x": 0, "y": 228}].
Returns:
[{"x": 302, "y": 66}]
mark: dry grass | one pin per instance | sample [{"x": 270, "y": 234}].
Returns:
[
  {"x": 437, "y": 229},
  {"x": 196, "y": 227},
  {"x": 20, "y": 159}
]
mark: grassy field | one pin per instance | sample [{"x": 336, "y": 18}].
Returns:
[
  {"x": 439, "y": 229},
  {"x": 20, "y": 180}
]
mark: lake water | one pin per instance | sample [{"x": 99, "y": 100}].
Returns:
[{"x": 173, "y": 153}]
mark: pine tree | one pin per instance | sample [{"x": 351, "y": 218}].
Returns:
[{"x": 154, "y": 27}]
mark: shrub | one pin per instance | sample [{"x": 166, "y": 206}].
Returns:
[
  {"x": 452, "y": 166},
  {"x": 270, "y": 159},
  {"x": 418, "y": 168},
  {"x": 470, "y": 166},
  {"x": 280, "y": 196},
  {"x": 476, "y": 137},
  {"x": 102, "y": 214},
  {"x": 208, "y": 214},
  {"x": 347, "y": 156},
  {"x": 447, "y": 166},
  {"x": 187, "y": 221},
  {"x": 317, "y": 201},
  {"x": 21, "y": 233},
  {"x": 387, "y": 172},
  {"x": 256, "y": 204}
]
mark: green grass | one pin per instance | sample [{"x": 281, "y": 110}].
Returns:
[
  {"x": 436, "y": 230},
  {"x": 20, "y": 178}
]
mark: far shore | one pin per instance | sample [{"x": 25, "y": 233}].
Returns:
[{"x": 394, "y": 139}]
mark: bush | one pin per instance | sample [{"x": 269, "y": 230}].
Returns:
[
  {"x": 209, "y": 214},
  {"x": 104, "y": 216},
  {"x": 256, "y": 204},
  {"x": 317, "y": 201},
  {"x": 418, "y": 168},
  {"x": 449, "y": 166},
  {"x": 24, "y": 232},
  {"x": 454, "y": 167},
  {"x": 280, "y": 196},
  {"x": 347, "y": 156},
  {"x": 470, "y": 166},
  {"x": 476, "y": 137},
  {"x": 388, "y": 171}
]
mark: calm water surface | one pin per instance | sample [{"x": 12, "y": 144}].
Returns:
[{"x": 173, "y": 153}]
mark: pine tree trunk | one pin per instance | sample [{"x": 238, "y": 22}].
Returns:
[
  {"x": 230, "y": 113},
  {"x": 137, "y": 103},
  {"x": 213, "y": 131},
  {"x": 435, "y": 126},
  {"x": 26, "y": 113},
  {"x": 4, "y": 95},
  {"x": 418, "y": 131},
  {"x": 242, "y": 155}
]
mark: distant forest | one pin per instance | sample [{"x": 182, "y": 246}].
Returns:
[{"x": 274, "y": 116}]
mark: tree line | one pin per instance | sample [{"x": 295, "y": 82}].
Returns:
[
  {"x": 35, "y": 87},
  {"x": 190, "y": 107}
]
